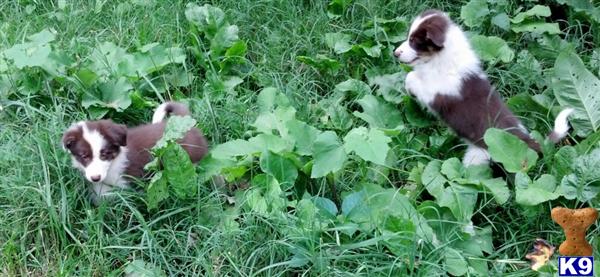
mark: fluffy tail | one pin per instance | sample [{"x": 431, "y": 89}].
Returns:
[
  {"x": 561, "y": 126},
  {"x": 170, "y": 108}
]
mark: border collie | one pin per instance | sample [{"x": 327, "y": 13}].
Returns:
[
  {"x": 108, "y": 154},
  {"x": 448, "y": 79}
]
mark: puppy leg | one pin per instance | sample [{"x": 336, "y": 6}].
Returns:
[
  {"x": 476, "y": 156},
  {"x": 411, "y": 83}
]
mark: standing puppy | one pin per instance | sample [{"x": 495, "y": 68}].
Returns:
[
  {"x": 108, "y": 153},
  {"x": 448, "y": 79}
]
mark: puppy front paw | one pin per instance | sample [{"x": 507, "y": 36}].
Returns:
[{"x": 411, "y": 83}]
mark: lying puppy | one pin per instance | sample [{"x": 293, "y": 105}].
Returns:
[
  {"x": 448, "y": 79},
  {"x": 109, "y": 154}
]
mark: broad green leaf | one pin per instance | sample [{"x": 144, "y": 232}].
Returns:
[
  {"x": 527, "y": 21},
  {"x": 36, "y": 52},
  {"x": 152, "y": 57},
  {"x": 524, "y": 103},
  {"x": 113, "y": 94},
  {"x": 282, "y": 168},
  {"x": 454, "y": 261},
  {"x": 537, "y": 28},
  {"x": 269, "y": 98},
  {"x": 501, "y": 20},
  {"x": 237, "y": 49},
  {"x": 536, "y": 11},
  {"x": 230, "y": 82},
  {"x": 589, "y": 143},
  {"x": 306, "y": 211},
  {"x": 43, "y": 37},
  {"x": 328, "y": 154},
  {"x": 336, "y": 8},
  {"x": 433, "y": 180},
  {"x": 498, "y": 189},
  {"x": 353, "y": 202},
  {"x": 206, "y": 18},
  {"x": 210, "y": 166},
  {"x": 401, "y": 234},
  {"x": 372, "y": 206},
  {"x": 157, "y": 190},
  {"x": 492, "y": 49},
  {"x": 139, "y": 268},
  {"x": 326, "y": 206},
  {"x": 28, "y": 55},
  {"x": 234, "y": 148},
  {"x": 378, "y": 113},
  {"x": 338, "y": 42},
  {"x": 584, "y": 182},
  {"x": 369, "y": 49},
  {"x": 477, "y": 173},
  {"x": 176, "y": 128},
  {"x": 264, "y": 142},
  {"x": 389, "y": 86},
  {"x": 371, "y": 145},
  {"x": 256, "y": 201},
  {"x": 276, "y": 121},
  {"x": 453, "y": 169},
  {"x": 474, "y": 12},
  {"x": 513, "y": 153},
  {"x": 269, "y": 190},
  {"x": 233, "y": 172},
  {"x": 563, "y": 161},
  {"x": 321, "y": 63},
  {"x": 529, "y": 69},
  {"x": 460, "y": 200},
  {"x": 108, "y": 59},
  {"x": 358, "y": 87},
  {"x": 337, "y": 114},
  {"x": 179, "y": 171},
  {"x": 576, "y": 87},
  {"x": 304, "y": 135},
  {"x": 384, "y": 30},
  {"x": 225, "y": 37},
  {"x": 533, "y": 193}
]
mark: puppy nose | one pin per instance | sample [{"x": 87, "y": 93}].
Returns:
[
  {"x": 397, "y": 52},
  {"x": 95, "y": 178}
]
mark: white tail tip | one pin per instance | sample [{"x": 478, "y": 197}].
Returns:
[
  {"x": 561, "y": 124},
  {"x": 160, "y": 113}
]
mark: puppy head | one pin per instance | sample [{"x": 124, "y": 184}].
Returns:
[
  {"x": 426, "y": 38},
  {"x": 94, "y": 145}
]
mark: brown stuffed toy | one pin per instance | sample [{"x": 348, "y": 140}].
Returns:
[{"x": 575, "y": 223}]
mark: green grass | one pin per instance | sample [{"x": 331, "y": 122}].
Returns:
[{"x": 48, "y": 226}]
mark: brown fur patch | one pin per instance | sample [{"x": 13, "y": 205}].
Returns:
[{"x": 478, "y": 109}]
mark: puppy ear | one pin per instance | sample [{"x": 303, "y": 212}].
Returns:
[
  {"x": 436, "y": 35},
  {"x": 117, "y": 134},
  {"x": 435, "y": 29}
]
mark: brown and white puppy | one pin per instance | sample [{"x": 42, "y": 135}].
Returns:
[
  {"x": 448, "y": 79},
  {"x": 108, "y": 154}
]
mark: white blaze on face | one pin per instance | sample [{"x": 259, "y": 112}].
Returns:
[
  {"x": 97, "y": 168},
  {"x": 404, "y": 52}
]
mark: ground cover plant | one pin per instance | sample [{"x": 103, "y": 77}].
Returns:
[{"x": 325, "y": 165}]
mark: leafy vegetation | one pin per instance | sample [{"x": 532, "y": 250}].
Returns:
[{"x": 320, "y": 163}]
